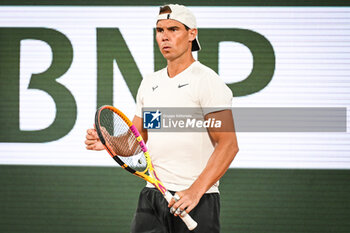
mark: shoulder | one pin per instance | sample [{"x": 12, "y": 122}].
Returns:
[
  {"x": 204, "y": 71},
  {"x": 211, "y": 90},
  {"x": 205, "y": 76},
  {"x": 151, "y": 77},
  {"x": 155, "y": 74},
  {"x": 209, "y": 84}
]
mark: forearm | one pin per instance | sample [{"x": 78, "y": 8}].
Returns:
[
  {"x": 137, "y": 121},
  {"x": 216, "y": 167},
  {"x": 226, "y": 148}
]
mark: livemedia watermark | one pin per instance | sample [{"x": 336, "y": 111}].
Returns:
[{"x": 264, "y": 119}]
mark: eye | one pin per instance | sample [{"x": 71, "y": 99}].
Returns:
[{"x": 173, "y": 29}]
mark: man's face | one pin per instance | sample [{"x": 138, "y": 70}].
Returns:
[{"x": 173, "y": 39}]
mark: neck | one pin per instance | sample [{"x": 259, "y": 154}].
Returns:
[{"x": 178, "y": 65}]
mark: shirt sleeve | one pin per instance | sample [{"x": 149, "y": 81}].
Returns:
[{"x": 214, "y": 95}]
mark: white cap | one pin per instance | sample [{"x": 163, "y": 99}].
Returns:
[{"x": 183, "y": 15}]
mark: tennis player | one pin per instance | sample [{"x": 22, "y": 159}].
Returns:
[{"x": 189, "y": 164}]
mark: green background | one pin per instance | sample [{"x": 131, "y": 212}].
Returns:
[{"x": 103, "y": 199}]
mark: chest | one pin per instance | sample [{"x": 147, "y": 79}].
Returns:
[{"x": 171, "y": 93}]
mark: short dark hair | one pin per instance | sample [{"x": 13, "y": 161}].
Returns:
[{"x": 166, "y": 9}]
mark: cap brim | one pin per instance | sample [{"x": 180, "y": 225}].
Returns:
[{"x": 195, "y": 45}]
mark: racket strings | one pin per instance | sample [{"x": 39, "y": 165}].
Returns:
[{"x": 121, "y": 140}]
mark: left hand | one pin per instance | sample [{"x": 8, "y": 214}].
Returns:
[{"x": 188, "y": 200}]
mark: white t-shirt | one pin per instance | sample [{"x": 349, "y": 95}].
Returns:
[{"x": 180, "y": 157}]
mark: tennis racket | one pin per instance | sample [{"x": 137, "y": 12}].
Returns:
[{"x": 124, "y": 143}]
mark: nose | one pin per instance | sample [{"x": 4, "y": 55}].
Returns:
[{"x": 165, "y": 36}]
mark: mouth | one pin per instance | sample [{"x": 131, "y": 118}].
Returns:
[{"x": 166, "y": 48}]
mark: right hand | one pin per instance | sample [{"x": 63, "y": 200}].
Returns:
[{"x": 92, "y": 141}]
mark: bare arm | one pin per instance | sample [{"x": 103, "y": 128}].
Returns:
[
  {"x": 226, "y": 148},
  {"x": 138, "y": 121}
]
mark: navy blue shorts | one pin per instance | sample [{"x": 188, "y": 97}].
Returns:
[{"x": 153, "y": 216}]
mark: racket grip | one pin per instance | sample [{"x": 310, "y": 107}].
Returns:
[{"x": 187, "y": 219}]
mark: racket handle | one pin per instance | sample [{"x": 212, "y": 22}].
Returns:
[{"x": 187, "y": 219}]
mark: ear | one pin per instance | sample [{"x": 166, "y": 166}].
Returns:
[{"x": 192, "y": 34}]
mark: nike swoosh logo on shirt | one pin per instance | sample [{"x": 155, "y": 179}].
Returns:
[
  {"x": 182, "y": 85},
  {"x": 153, "y": 88}
]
